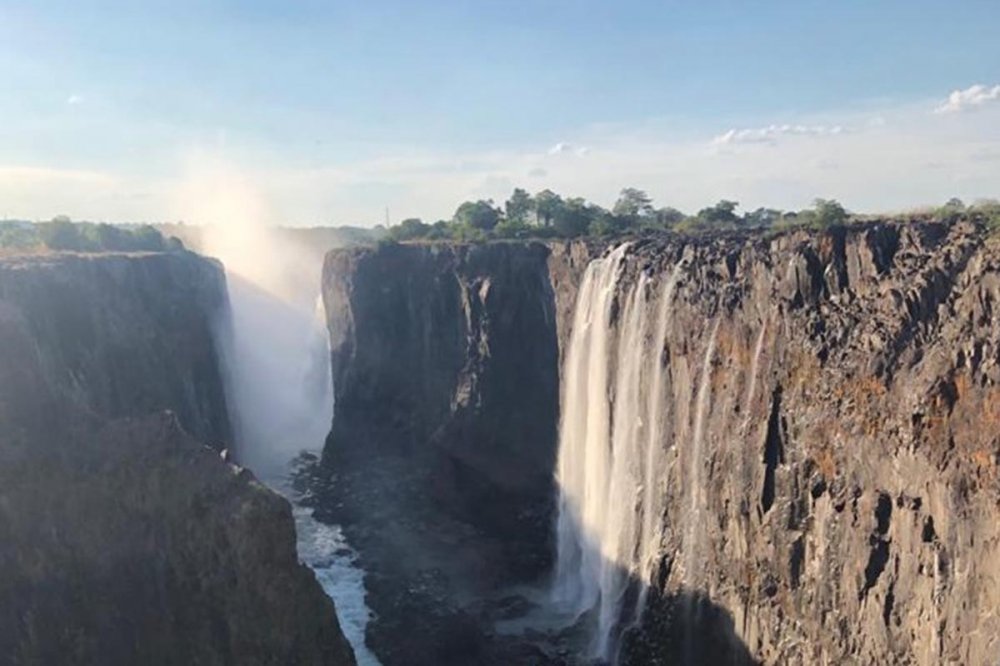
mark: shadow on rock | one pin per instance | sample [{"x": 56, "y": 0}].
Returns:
[{"x": 684, "y": 629}]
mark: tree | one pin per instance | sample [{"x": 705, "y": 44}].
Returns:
[
  {"x": 478, "y": 215},
  {"x": 148, "y": 239},
  {"x": 61, "y": 234},
  {"x": 987, "y": 210},
  {"x": 632, "y": 205},
  {"x": 18, "y": 235},
  {"x": 547, "y": 206},
  {"x": 955, "y": 204},
  {"x": 109, "y": 237},
  {"x": 762, "y": 217},
  {"x": 668, "y": 217},
  {"x": 828, "y": 212},
  {"x": 512, "y": 228},
  {"x": 604, "y": 223},
  {"x": 439, "y": 230},
  {"x": 519, "y": 206},
  {"x": 409, "y": 229},
  {"x": 722, "y": 213},
  {"x": 574, "y": 217}
]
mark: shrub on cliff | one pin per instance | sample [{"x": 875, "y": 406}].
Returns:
[
  {"x": 828, "y": 212},
  {"x": 987, "y": 211}
]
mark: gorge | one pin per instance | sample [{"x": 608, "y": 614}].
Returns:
[
  {"x": 739, "y": 447},
  {"x": 774, "y": 448}
]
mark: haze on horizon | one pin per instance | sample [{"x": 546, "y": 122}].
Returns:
[{"x": 331, "y": 112}]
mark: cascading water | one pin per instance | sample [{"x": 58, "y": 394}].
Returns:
[
  {"x": 695, "y": 465},
  {"x": 611, "y": 438}
]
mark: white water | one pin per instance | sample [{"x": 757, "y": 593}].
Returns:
[
  {"x": 281, "y": 388},
  {"x": 611, "y": 440},
  {"x": 695, "y": 466},
  {"x": 324, "y": 549}
]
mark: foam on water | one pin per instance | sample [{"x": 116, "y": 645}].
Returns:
[{"x": 324, "y": 549}]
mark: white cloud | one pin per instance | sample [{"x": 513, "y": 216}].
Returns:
[
  {"x": 971, "y": 97},
  {"x": 562, "y": 148},
  {"x": 772, "y": 133},
  {"x": 74, "y": 100}
]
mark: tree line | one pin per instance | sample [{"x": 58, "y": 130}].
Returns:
[
  {"x": 549, "y": 215},
  {"x": 63, "y": 235}
]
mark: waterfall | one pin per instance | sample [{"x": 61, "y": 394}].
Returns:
[
  {"x": 279, "y": 376},
  {"x": 611, "y": 437},
  {"x": 654, "y": 495},
  {"x": 279, "y": 390}
]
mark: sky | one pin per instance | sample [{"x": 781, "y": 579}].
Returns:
[{"x": 310, "y": 112}]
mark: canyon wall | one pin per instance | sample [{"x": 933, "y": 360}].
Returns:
[
  {"x": 443, "y": 441},
  {"x": 826, "y": 474},
  {"x": 124, "y": 537},
  {"x": 832, "y": 495}
]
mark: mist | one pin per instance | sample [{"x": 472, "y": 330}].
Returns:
[{"x": 275, "y": 344}]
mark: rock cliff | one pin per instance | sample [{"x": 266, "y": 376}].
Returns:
[
  {"x": 124, "y": 538},
  {"x": 109, "y": 336},
  {"x": 828, "y": 474},
  {"x": 446, "y": 392}
]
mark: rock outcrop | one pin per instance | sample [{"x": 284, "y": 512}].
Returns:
[
  {"x": 124, "y": 537},
  {"x": 446, "y": 395},
  {"x": 840, "y": 503},
  {"x": 845, "y": 489},
  {"x": 109, "y": 336}
]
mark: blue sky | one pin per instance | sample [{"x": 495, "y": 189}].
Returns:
[{"x": 328, "y": 112}]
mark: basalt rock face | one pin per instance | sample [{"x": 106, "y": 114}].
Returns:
[
  {"x": 113, "y": 336},
  {"x": 125, "y": 539},
  {"x": 831, "y": 459},
  {"x": 829, "y": 464},
  {"x": 443, "y": 442}
]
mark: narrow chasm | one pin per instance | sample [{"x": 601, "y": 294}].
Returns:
[
  {"x": 878, "y": 556},
  {"x": 774, "y": 452}
]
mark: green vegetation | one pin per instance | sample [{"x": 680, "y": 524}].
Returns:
[
  {"x": 988, "y": 211},
  {"x": 549, "y": 215},
  {"x": 63, "y": 235},
  {"x": 984, "y": 211}
]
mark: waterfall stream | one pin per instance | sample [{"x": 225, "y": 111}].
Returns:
[
  {"x": 280, "y": 389},
  {"x": 611, "y": 443}
]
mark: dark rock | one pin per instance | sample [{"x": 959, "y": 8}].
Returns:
[
  {"x": 443, "y": 444},
  {"x": 884, "y": 341},
  {"x": 123, "y": 538}
]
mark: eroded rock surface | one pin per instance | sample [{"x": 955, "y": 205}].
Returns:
[
  {"x": 840, "y": 506},
  {"x": 446, "y": 395}
]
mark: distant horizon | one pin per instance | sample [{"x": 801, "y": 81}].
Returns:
[
  {"x": 915, "y": 210},
  {"x": 326, "y": 114}
]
